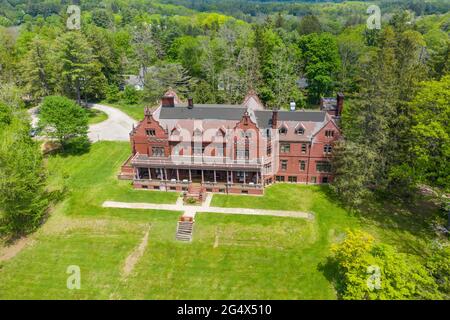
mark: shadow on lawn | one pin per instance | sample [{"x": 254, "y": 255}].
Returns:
[
  {"x": 396, "y": 218},
  {"x": 73, "y": 147},
  {"x": 330, "y": 270}
]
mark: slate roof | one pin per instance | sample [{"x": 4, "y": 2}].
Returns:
[
  {"x": 205, "y": 117},
  {"x": 203, "y": 112},
  {"x": 264, "y": 117}
]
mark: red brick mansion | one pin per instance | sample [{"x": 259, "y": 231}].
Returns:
[{"x": 182, "y": 146}]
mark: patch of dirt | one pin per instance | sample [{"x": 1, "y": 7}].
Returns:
[
  {"x": 134, "y": 257},
  {"x": 11, "y": 251}
]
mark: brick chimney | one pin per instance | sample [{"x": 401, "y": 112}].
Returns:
[
  {"x": 168, "y": 102},
  {"x": 340, "y": 104},
  {"x": 190, "y": 103},
  {"x": 275, "y": 118}
]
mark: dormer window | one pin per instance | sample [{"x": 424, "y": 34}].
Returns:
[
  {"x": 151, "y": 132},
  {"x": 283, "y": 130},
  {"x": 300, "y": 131}
]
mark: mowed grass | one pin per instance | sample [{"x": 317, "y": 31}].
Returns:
[
  {"x": 96, "y": 116},
  {"x": 231, "y": 256},
  {"x": 134, "y": 111},
  {"x": 98, "y": 246},
  {"x": 234, "y": 257},
  {"x": 91, "y": 178}
]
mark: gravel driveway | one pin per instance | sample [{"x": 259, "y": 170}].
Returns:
[{"x": 116, "y": 128}]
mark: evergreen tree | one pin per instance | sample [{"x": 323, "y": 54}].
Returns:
[
  {"x": 80, "y": 69},
  {"x": 354, "y": 167},
  {"x": 378, "y": 120},
  {"x": 38, "y": 69},
  {"x": 309, "y": 24},
  {"x": 23, "y": 199},
  {"x": 162, "y": 77}
]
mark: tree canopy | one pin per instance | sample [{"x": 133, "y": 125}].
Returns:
[{"x": 63, "y": 120}]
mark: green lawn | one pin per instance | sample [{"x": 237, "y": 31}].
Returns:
[
  {"x": 134, "y": 111},
  {"x": 231, "y": 256},
  {"x": 96, "y": 116},
  {"x": 91, "y": 179}
]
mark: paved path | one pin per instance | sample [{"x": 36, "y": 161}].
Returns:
[
  {"x": 116, "y": 128},
  {"x": 33, "y": 112},
  {"x": 191, "y": 211}
]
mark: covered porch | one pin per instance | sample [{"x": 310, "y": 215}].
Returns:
[{"x": 250, "y": 177}]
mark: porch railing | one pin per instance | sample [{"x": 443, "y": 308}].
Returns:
[
  {"x": 204, "y": 162},
  {"x": 221, "y": 185}
]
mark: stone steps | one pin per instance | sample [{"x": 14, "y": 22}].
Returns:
[
  {"x": 185, "y": 231},
  {"x": 196, "y": 192}
]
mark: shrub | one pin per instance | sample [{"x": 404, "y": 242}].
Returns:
[{"x": 369, "y": 271}]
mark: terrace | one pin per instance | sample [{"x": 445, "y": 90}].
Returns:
[{"x": 198, "y": 162}]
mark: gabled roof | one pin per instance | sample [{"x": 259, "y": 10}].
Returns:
[
  {"x": 203, "y": 112},
  {"x": 252, "y": 101},
  {"x": 264, "y": 117},
  {"x": 214, "y": 116}
]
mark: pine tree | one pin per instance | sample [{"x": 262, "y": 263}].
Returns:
[
  {"x": 378, "y": 120},
  {"x": 80, "y": 69},
  {"x": 23, "y": 199},
  {"x": 37, "y": 69},
  {"x": 354, "y": 167}
]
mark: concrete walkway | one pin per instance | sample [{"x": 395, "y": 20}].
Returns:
[{"x": 191, "y": 211}]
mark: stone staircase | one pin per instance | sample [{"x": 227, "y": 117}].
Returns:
[
  {"x": 196, "y": 191},
  {"x": 185, "y": 229}
]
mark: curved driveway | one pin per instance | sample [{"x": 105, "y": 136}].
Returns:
[{"x": 116, "y": 128}]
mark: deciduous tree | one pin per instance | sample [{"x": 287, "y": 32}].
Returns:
[
  {"x": 63, "y": 120},
  {"x": 371, "y": 271}
]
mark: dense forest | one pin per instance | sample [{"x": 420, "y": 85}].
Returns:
[{"x": 396, "y": 81}]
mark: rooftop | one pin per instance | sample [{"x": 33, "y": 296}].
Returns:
[
  {"x": 203, "y": 112},
  {"x": 264, "y": 117}
]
